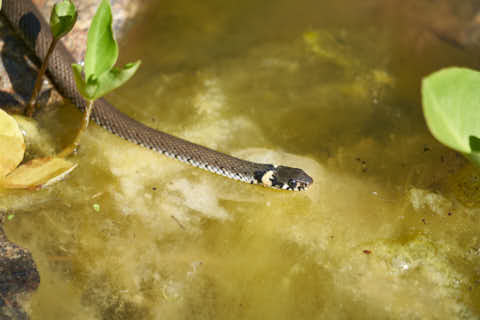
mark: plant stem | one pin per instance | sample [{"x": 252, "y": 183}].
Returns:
[
  {"x": 38, "y": 82},
  {"x": 76, "y": 141}
]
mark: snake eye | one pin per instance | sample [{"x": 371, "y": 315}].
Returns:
[{"x": 292, "y": 183}]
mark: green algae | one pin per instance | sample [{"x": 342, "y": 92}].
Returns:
[{"x": 372, "y": 238}]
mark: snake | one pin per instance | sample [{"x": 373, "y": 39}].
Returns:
[{"x": 29, "y": 24}]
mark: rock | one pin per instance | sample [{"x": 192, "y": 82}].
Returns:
[{"x": 18, "y": 278}]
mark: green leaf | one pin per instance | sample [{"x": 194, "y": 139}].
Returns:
[
  {"x": 451, "y": 105},
  {"x": 77, "y": 74},
  {"x": 95, "y": 88},
  {"x": 114, "y": 78},
  {"x": 98, "y": 77},
  {"x": 63, "y": 18},
  {"x": 81, "y": 84},
  {"x": 86, "y": 88},
  {"x": 102, "y": 49}
]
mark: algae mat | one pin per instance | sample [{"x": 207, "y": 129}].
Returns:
[{"x": 389, "y": 230}]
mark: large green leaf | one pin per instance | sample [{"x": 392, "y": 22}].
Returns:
[
  {"x": 102, "y": 49},
  {"x": 451, "y": 105},
  {"x": 63, "y": 18}
]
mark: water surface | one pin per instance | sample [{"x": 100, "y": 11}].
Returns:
[{"x": 389, "y": 230}]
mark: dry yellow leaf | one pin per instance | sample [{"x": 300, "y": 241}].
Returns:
[
  {"x": 38, "y": 173},
  {"x": 9, "y": 126},
  {"x": 12, "y": 145}
]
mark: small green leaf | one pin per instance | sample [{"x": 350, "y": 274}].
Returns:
[
  {"x": 102, "y": 49},
  {"x": 63, "y": 18},
  {"x": 11, "y": 216},
  {"x": 451, "y": 100},
  {"x": 86, "y": 88},
  {"x": 81, "y": 84},
  {"x": 114, "y": 78},
  {"x": 92, "y": 87}
]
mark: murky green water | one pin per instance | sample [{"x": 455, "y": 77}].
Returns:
[{"x": 389, "y": 230}]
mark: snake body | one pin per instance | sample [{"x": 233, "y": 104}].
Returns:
[{"x": 27, "y": 21}]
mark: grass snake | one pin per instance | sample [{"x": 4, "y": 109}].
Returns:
[{"x": 27, "y": 21}]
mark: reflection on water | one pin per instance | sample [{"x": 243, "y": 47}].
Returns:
[{"x": 388, "y": 230}]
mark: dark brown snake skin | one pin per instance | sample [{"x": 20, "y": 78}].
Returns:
[{"x": 27, "y": 21}]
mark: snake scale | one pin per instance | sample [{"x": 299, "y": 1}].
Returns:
[{"x": 27, "y": 21}]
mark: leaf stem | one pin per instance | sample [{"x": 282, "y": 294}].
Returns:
[
  {"x": 76, "y": 141},
  {"x": 30, "y": 108}
]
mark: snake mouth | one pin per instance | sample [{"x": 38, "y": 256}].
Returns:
[{"x": 298, "y": 186}]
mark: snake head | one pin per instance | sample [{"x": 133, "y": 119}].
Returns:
[
  {"x": 286, "y": 178},
  {"x": 292, "y": 178}
]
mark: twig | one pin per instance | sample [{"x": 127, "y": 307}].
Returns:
[{"x": 30, "y": 108}]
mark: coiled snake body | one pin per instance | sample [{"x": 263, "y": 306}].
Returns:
[{"x": 29, "y": 23}]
